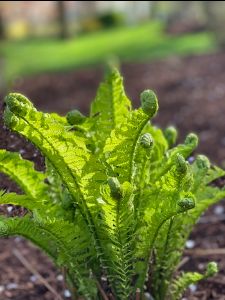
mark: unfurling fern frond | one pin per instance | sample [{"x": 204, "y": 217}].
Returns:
[{"x": 115, "y": 193}]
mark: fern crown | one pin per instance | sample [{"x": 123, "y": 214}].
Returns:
[{"x": 117, "y": 198}]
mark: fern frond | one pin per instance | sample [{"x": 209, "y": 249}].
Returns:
[
  {"x": 118, "y": 215},
  {"x": 213, "y": 174},
  {"x": 23, "y": 173},
  {"x": 111, "y": 112},
  {"x": 149, "y": 161},
  {"x": 67, "y": 154},
  {"x": 63, "y": 204},
  {"x": 34, "y": 205},
  {"x": 174, "y": 233},
  {"x": 166, "y": 198},
  {"x": 65, "y": 150},
  {"x": 120, "y": 148},
  {"x": 186, "y": 279}
]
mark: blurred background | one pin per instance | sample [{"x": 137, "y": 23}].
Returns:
[{"x": 56, "y": 53}]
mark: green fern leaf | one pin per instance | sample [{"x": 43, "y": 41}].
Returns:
[
  {"x": 23, "y": 173},
  {"x": 111, "y": 112},
  {"x": 180, "y": 284}
]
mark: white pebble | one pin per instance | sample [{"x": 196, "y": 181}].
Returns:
[
  {"x": 193, "y": 287},
  {"x": 2, "y": 288},
  {"x": 148, "y": 296},
  {"x": 218, "y": 210},
  {"x": 191, "y": 159},
  {"x": 22, "y": 151},
  {"x": 104, "y": 278},
  {"x": 9, "y": 209},
  {"x": 59, "y": 277},
  {"x": 12, "y": 286},
  {"x": 67, "y": 293},
  {"x": 201, "y": 266},
  {"x": 18, "y": 239},
  {"x": 33, "y": 278},
  {"x": 190, "y": 244}
]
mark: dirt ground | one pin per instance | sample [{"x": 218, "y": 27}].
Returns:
[{"x": 191, "y": 94}]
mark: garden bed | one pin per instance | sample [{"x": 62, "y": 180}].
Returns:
[{"x": 191, "y": 94}]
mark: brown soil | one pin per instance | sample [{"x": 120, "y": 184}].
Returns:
[{"x": 191, "y": 95}]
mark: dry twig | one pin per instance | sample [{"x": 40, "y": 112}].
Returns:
[
  {"x": 30, "y": 268},
  {"x": 103, "y": 294},
  {"x": 205, "y": 252}
]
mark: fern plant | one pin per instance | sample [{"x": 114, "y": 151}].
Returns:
[{"x": 117, "y": 199}]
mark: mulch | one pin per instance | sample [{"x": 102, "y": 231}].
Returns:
[{"x": 191, "y": 94}]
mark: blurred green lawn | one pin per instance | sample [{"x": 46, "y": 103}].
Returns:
[{"x": 140, "y": 43}]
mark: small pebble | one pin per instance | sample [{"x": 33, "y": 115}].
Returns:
[
  {"x": 193, "y": 287},
  {"x": 148, "y": 296},
  {"x": 191, "y": 159},
  {"x": 2, "y": 288},
  {"x": 18, "y": 239},
  {"x": 59, "y": 277},
  {"x": 103, "y": 278},
  {"x": 218, "y": 210},
  {"x": 12, "y": 286},
  {"x": 22, "y": 151},
  {"x": 201, "y": 266},
  {"x": 33, "y": 278},
  {"x": 9, "y": 209},
  {"x": 67, "y": 294},
  {"x": 190, "y": 244}
]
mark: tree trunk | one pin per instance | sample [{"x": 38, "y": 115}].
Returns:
[
  {"x": 2, "y": 28},
  {"x": 61, "y": 11},
  {"x": 153, "y": 9},
  {"x": 215, "y": 20}
]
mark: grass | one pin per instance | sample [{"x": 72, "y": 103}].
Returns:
[{"x": 140, "y": 43}]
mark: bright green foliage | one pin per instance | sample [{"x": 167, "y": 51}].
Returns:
[
  {"x": 170, "y": 135},
  {"x": 115, "y": 199},
  {"x": 188, "y": 278},
  {"x": 75, "y": 117}
]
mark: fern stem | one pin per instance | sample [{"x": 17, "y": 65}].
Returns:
[
  {"x": 161, "y": 292},
  {"x": 142, "y": 278},
  {"x": 134, "y": 149},
  {"x": 141, "y": 281}
]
